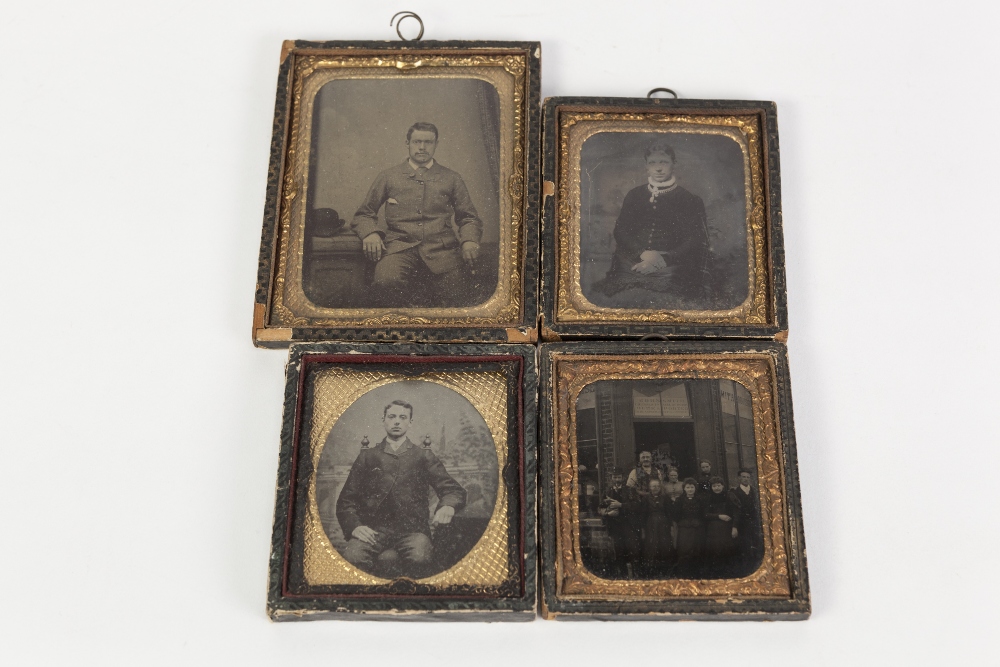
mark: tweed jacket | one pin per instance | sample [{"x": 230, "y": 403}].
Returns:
[
  {"x": 419, "y": 208},
  {"x": 387, "y": 490}
]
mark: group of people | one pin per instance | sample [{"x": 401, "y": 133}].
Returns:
[{"x": 663, "y": 527}]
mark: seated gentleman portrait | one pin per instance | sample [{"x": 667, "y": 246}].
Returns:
[
  {"x": 383, "y": 507},
  {"x": 429, "y": 240}
]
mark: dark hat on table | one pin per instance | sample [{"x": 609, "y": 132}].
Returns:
[{"x": 323, "y": 222}]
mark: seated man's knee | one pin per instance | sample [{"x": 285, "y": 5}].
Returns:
[
  {"x": 418, "y": 548},
  {"x": 389, "y": 557},
  {"x": 358, "y": 553},
  {"x": 390, "y": 271},
  {"x": 386, "y": 564}
]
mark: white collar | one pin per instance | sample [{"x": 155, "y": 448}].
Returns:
[
  {"x": 746, "y": 489},
  {"x": 657, "y": 188},
  {"x": 416, "y": 167}
]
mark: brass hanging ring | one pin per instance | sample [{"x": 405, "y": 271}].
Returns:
[
  {"x": 407, "y": 15},
  {"x": 661, "y": 90}
]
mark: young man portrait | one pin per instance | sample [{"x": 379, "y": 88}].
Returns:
[{"x": 383, "y": 509}]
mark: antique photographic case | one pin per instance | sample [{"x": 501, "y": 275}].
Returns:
[
  {"x": 669, "y": 482},
  {"x": 402, "y": 195},
  {"x": 668, "y": 476},
  {"x": 406, "y": 483},
  {"x": 661, "y": 217}
]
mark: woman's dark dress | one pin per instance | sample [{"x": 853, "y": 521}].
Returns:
[
  {"x": 689, "y": 514},
  {"x": 720, "y": 546},
  {"x": 674, "y": 224},
  {"x": 657, "y": 551}
]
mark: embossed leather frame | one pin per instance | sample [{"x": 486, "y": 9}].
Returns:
[
  {"x": 566, "y": 313},
  {"x": 778, "y": 589},
  {"x": 283, "y": 314},
  {"x": 291, "y": 596}
]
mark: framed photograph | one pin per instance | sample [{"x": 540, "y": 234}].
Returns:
[
  {"x": 406, "y": 484},
  {"x": 669, "y": 483},
  {"x": 402, "y": 196},
  {"x": 664, "y": 219}
]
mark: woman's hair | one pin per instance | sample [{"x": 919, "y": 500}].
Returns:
[
  {"x": 672, "y": 469},
  {"x": 715, "y": 480},
  {"x": 660, "y": 147},
  {"x": 690, "y": 480}
]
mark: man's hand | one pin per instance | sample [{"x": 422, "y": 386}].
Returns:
[
  {"x": 365, "y": 534},
  {"x": 470, "y": 252},
  {"x": 443, "y": 515},
  {"x": 725, "y": 517},
  {"x": 614, "y": 505},
  {"x": 735, "y": 532},
  {"x": 374, "y": 246}
]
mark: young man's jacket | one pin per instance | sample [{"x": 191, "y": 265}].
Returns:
[
  {"x": 387, "y": 490},
  {"x": 419, "y": 205}
]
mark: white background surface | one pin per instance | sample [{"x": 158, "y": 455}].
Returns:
[{"x": 140, "y": 428}]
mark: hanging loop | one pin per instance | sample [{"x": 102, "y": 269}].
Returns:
[
  {"x": 661, "y": 90},
  {"x": 407, "y": 15}
]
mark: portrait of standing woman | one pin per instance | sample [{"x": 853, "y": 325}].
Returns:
[{"x": 661, "y": 236}]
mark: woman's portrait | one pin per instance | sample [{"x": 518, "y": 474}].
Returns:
[
  {"x": 660, "y": 236},
  {"x": 663, "y": 221}
]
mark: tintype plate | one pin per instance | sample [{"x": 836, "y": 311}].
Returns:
[
  {"x": 669, "y": 482},
  {"x": 402, "y": 196},
  {"x": 664, "y": 218},
  {"x": 406, "y": 484}
]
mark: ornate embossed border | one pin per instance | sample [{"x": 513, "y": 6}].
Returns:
[
  {"x": 568, "y": 122},
  {"x": 283, "y": 314},
  {"x": 292, "y": 597},
  {"x": 778, "y": 589}
]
